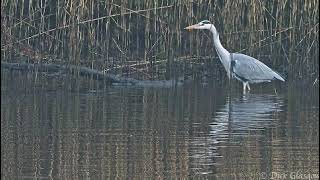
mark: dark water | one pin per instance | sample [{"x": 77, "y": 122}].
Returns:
[{"x": 192, "y": 131}]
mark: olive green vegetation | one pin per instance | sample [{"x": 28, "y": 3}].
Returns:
[{"x": 137, "y": 37}]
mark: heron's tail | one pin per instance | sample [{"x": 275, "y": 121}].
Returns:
[{"x": 278, "y": 76}]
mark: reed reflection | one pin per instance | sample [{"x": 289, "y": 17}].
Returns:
[{"x": 186, "y": 132}]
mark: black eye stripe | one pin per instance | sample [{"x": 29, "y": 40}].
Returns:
[{"x": 202, "y": 23}]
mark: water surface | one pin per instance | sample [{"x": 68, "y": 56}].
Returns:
[{"x": 193, "y": 131}]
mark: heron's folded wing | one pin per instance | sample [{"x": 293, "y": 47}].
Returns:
[{"x": 253, "y": 70}]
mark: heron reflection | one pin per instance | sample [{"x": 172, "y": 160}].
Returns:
[{"x": 237, "y": 118}]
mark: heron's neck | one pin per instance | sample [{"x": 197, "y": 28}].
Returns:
[{"x": 223, "y": 54}]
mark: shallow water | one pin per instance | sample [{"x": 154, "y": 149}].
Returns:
[{"x": 191, "y": 131}]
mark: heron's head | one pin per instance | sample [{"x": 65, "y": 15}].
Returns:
[{"x": 205, "y": 24}]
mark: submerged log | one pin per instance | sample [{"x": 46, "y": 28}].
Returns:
[{"x": 85, "y": 71}]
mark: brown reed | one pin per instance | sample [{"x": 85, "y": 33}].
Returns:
[{"x": 113, "y": 34}]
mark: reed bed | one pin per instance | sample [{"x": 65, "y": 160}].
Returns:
[{"x": 145, "y": 39}]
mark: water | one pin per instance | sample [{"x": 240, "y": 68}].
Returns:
[{"x": 57, "y": 130}]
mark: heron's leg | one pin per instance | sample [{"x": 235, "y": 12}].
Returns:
[
  {"x": 248, "y": 86},
  {"x": 244, "y": 87}
]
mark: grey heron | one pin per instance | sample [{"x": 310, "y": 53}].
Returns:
[{"x": 240, "y": 66}]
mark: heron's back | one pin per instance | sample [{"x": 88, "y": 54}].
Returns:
[{"x": 249, "y": 69}]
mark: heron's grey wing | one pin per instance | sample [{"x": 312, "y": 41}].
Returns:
[{"x": 252, "y": 70}]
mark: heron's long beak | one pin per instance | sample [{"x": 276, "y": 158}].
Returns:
[{"x": 192, "y": 27}]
